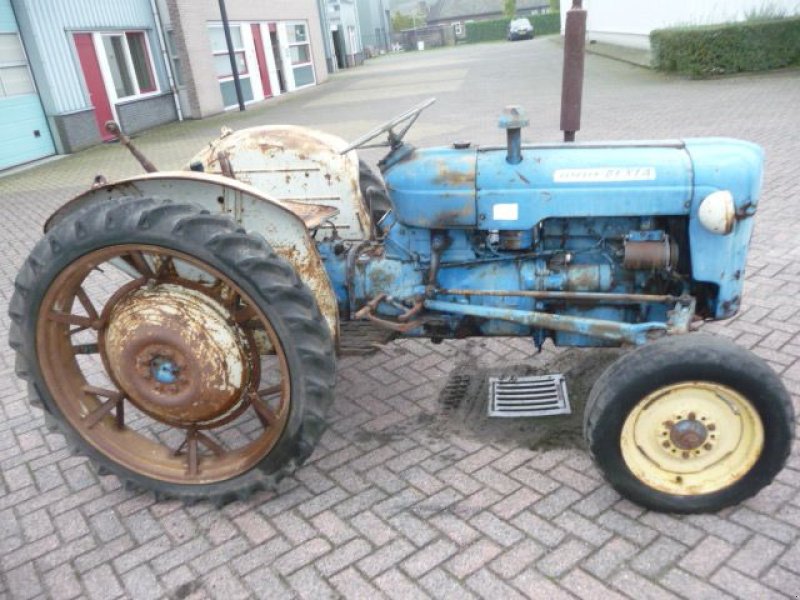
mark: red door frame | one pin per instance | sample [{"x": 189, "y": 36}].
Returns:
[
  {"x": 94, "y": 82},
  {"x": 262, "y": 59}
]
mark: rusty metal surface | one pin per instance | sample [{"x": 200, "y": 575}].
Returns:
[
  {"x": 113, "y": 128},
  {"x": 187, "y": 330},
  {"x": 655, "y": 254},
  {"x": 284, "y": 224},
  {"x": 594, "y": 297},
  {"x": 572, "y": 78},
  {"x": 298, "y": 165}
]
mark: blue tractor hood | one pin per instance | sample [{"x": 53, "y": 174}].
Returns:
[{"x": 441, "y": 188}]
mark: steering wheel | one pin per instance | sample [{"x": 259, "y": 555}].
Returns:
[{"x": 394, "y": 140}]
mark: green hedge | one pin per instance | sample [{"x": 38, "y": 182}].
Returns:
[
  {"x": 752, "y": 45},
  {"x": 487, "y": 31}
]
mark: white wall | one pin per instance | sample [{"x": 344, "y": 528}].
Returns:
[{"x": 629, "y": 22}]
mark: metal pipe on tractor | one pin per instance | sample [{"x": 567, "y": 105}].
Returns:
[{"x": 214, "y": 304}]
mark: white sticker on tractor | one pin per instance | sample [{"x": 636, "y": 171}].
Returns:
[
  {"x": 604, "y": 174},
  {"x": 505, "y": 212}
]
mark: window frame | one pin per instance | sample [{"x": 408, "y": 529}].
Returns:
[
  {"x": 236, "y": 51},
  {"x": 16, "y": 64},
  {"x": 105, "y": 67},
  {"x": 310, "y": 62}
]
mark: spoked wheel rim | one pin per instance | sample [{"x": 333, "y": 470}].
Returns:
[
  {"x": 179, "y": 345},
  {"x": 692, "y": 438}
]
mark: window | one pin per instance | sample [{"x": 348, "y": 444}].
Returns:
[
  {"x": 222, "y": 61},
  {"x": 458, "y": 28},
  {"x": 300, "y": 54},
  {"x": 127, "y": 57},
  {"x": 15, "y": 77},
  {"x": 173, "y": 56}
]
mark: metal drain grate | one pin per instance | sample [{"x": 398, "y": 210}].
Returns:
[{"x": 530, "y": 396}]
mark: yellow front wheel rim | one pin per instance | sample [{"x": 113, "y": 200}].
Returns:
[{"x": 692, "y": 438}]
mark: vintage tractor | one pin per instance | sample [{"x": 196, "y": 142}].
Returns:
[{"x": 181, "y": 328}]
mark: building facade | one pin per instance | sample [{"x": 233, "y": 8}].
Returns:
[
  {"x": 24, "y": 130},
  {"x": 629, "y": 22},
  {"x": 345, "y": 33},
  {"x": 94, "y": 61},
  {"x": 375, "y": 22},
  {"x": 278, "y": 48}
]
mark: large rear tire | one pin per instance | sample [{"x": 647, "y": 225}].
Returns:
[
  {"x": 689, "y": 424},
  {"x": 174, "y": 349}
]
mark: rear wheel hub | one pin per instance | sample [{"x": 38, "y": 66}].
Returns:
[{"x": 174, "y": 355}]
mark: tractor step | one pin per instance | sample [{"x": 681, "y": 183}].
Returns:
[
  {"x": 359, "y": 338},
  {"x": 528, "y": 396}
]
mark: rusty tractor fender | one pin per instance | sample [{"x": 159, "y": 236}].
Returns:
[
  {"x": 284, "y": 224},
  {"x": 294, "y": 164}
]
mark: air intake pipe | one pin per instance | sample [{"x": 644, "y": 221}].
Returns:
[{"x": 513, "y": 120}]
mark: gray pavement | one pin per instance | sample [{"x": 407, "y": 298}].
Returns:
[{"x": 402, "y": 498}]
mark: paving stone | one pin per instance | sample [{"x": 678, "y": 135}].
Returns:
[
  {"x": 62, "y": 583},
  {"x": 563, "y": 558},
  {"x": 659, "y": 555},
  {"x": 385, "y": 557},
  {"x": 308, "y": 583},
  {"x": 756, "y": 555},
  {"x": 101, "y": 583},
  {"x": 351, "y": 584},
  {"x": 705, "y": 557},
  {"x": 584, "y": 585},
  {"x": 428, "y": 557},
  {"x": 343, "y": 557},
  {"x": 23, "y": 582},
  {"x": 396, "y": 585},
  {"x": 517, "y": 558},
  {"x": 636, "y": 586},
  {"x": 688, "y": 586},
  {"x": 608, "y": 558},
  {"x": 488, "y": 585},
  {"x": 223, "y": 583},
  {"x": 141, "y": 583},
  {"x": 302, "y": 555}
]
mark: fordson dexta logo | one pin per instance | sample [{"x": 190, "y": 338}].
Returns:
[{"x": 596, "y": 174}]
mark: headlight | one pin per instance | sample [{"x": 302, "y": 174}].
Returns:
[{"x": 717, "y": 212}]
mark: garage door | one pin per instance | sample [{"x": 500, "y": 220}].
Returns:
[{"x": 24, "y": 134}]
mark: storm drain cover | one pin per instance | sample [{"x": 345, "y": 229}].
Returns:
[{"x": 528, "y": 396}]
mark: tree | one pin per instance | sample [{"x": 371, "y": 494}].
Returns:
[
  {"x": 510, "y": 8},
  {"x": 401, "y": 22},
  {"x": 555, "y": 6}
]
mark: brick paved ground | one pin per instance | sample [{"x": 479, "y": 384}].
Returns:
[{"x": 395, "y": 501}]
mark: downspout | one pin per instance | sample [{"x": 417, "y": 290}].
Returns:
[{"x": 166, "y": 59}]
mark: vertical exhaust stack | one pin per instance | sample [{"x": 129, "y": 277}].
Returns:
[{"x": 572, "y": 78}]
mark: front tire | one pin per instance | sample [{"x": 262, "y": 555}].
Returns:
[
  {"x": 174, "y": 349},
  {"x": 689, "y": 424}
]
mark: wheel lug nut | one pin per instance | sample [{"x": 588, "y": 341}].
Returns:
[
  {"x": 707, "y": 446},
  {"x": 692, "y": 416},
  {"x": 685, "y": 454},
  {"x": 711, "y": 427},
  {"x": 665, "y": 444}
]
